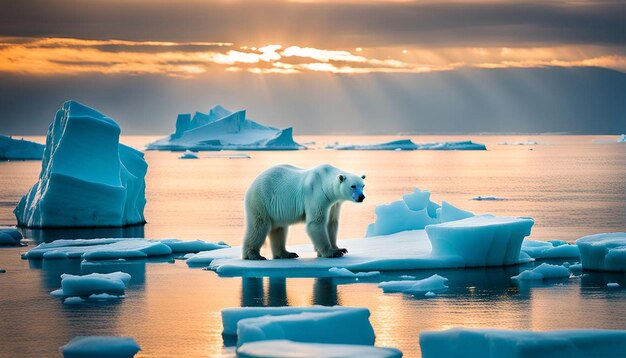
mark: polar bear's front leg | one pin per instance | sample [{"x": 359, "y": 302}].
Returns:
[
  {"x": 333, "y": 227},
  {"x": 317, "y": 228},
  {"x": 278, "y": 239}
]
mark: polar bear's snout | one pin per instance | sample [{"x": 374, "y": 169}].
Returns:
[{"x": 358, "y": 195}]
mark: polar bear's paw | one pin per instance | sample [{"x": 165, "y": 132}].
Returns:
[{"x": 287, "y": 255}]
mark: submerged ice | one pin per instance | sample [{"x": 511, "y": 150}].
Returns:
[
  {"x": 19, "y": 149},
  {"x": 221, "y": 129},
  {"x": 87, "y": 178},
  {"x": 289, "y": 349}
]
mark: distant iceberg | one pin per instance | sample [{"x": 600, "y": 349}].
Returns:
[
  {"x": 19, "y": 149},
  {"x": 188, "y": 155},
  {"x": 87, "y": 179},
  {"x": 222, "y": 129},
  {"x": 622, "y": 139},
  {"x": 407, "y": 144}
]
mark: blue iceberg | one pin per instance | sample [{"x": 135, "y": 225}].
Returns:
[
  {"x": 19, "y": 149},
  {"x": 407, "y": 144},
  {"x": 222, "y": 129},
  {"x": 87, "y": 179}
]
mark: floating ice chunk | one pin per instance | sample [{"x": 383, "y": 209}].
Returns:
[
  {"x": 576, "y": 267},
  {"x": 484, "y": 240},
  {"x": 430, "y": 294},
  {"x": 189, "y": 155},
  {"x": 98, "y": 249},
  {"x": 96, "y": 283},
  {"x": 542, "y": 272},
  {"x": 527, "y": 142},
  {"x": 232, "y": 316},
  {"x": 106, "y": 189},
  {"x": 465, "y": 342},
  {"x": 228, "y": 155},
  {"x": 19, "y": 149},
  {"x": 344, "y": 272},
  {"x": 179, "y": 246},
  {"x": 407, "y": 277},
  {"x": 222, "y": 129},
  {"x": 407, "y": 144},
  {"x": 488, "y": 198},
  {"x": 603, "y": 252},
  {"x": 612, "y": 285},
  {"x": 9, "y": 236},
  {"x": 340, "y": 327},
  {"x": 549, "y": 249},
  {"x": 418, "y": 287},
  {"x": 100, "y": 347},
  {"x": 289, "y": 349},
  {"x": 74, "y": 300},
  {"x": 622, "y": 139},
  {"x": 449, "y": 212}
]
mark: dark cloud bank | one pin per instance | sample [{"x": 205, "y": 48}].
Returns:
[{"x": 573, "y": 100}]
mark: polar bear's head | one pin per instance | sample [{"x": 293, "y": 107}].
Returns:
[{"x": 351, "y": 187}]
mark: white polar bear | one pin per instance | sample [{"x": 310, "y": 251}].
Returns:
[{"x": 284, "y": 195}]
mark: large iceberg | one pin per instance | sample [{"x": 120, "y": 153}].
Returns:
[
  {"x": 288, "y": 349},
  {"x": 87, "y": 179},
  {"x": 470, "y": 343},
  {"x": 222, "y": 129},
  {"x": 19, "y": 149},
  {"x": 407, "y": 144},
  {"x": 603, "y": 252},
  {"x": 100, "y": 347}
]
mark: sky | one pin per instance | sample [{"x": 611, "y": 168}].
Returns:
[{"x": 319, "y": 66}]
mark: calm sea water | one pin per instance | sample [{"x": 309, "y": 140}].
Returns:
[{"x": 570, "y": 185}]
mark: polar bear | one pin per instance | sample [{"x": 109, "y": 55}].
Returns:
[{"x": 284, "y": 195}]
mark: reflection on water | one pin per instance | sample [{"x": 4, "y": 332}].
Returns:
[{"x": 571, "y": 187}]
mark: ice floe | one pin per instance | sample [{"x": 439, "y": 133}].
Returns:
[
  {"x": 188, "y": 155},
  {"x": 100, "y": 347},
  {"x": 93, "y": 284},
  {"x": 19, "y": 149},
  {"x": 432, "y": 284},
  {"x": 407, "y": 144},
  {"x": 549, "y": 249},
  {"x": 9, "y": 236},
  {"x": 622, "y": 139},
  {"x": 106, "y": 189},
  {"x": 290, "y": 349},
  {"x": 543, "y": 272},
  {"x": 338, "y": 327},
  {"x": 232, "y": 316},
  {"x": 228, "y": 155},
  {"x": 488, "y": 198},
  {"x": 526, "y": 142},
  {"x": 612, "y": 285},
  {"x": 111, "y": 249},
  {"x": 603, "y": 252},
  {"x": 466, "y": 342},
  {"x": 222, "y": 129}
]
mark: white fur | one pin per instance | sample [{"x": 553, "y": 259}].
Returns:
[{"x": 284, "y": 195}]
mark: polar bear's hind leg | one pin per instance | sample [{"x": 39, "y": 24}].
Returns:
[{"x": 278, "y": 240}]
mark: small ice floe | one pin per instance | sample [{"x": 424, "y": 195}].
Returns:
[
  {"x": 491, "y": 342},
  {"x": 549, "y": 249},
  {"x": 341, "y": 327},
  {"x": 434, "y": 283},
  {"x": 10, "y": 236},
  {"x": 228, "y": 155},
  {"x": 407, "y": 144},
  {"x": 622, "y": 139},
  {"x": 181, "y": 246},
  {"x": 603, "y": 252},
  {"x": 232, "y": 316},
  {"x": 488, "y": 198},
  {"x": 612, "y": 285},
  {"x": 430, "y": 294},
  {"x": 19, "y": 149},
  {"x": 407, "y": 277},
  {"x": 93, "y": 284},
  {"x": 344, "y": 272},
  {"x": 290, "y": 349},
  {"x": 189, "y": 155},
  {"x": 526, "y": 142},
  {"x": 100, "y": 347},
  {"x": 542, "y": 272}
]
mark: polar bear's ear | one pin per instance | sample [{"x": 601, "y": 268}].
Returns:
[
  {"x": 341, "y": 178},
  {"x": 362, "y": 176}
]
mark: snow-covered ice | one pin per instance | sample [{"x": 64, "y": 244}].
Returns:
[
  {"x": 488, "y": 198},
  {"x": 431, "y": 284},
  {"x": 338, "y": 327},
  {"x": 479, "y": 343},
  {"x": 9, "y": 236},
  {"x": 111, "y": 249},
  {"x": 19, "y": 149},
  {"x": 407, "y": 144},
  {"x": 232, "y": 316},
  {"x": 603, "y": 252},
  {"x": 95, "y": 283},
  {"x": 188, "y": 155},
  {"x": 222, "y": 129},
  {"x": 290, "y": 349},
  {"x": 100, "y": 347},
  {"x": 542, "y": 272},
  {"x": 106, "y": 189},
  {"x": 549, "y": 249},
  {"x": 344, "y": 272}
]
